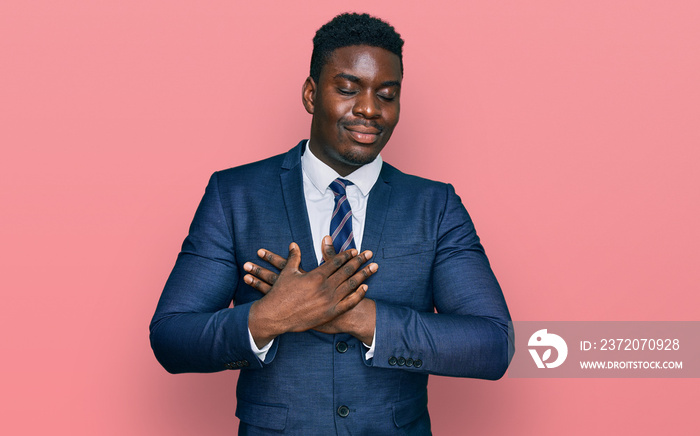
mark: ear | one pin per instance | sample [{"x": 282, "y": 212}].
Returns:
[{"x": 308, "y": 94}]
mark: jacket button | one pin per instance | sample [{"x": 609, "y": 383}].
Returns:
[
  {"x": 245, "y": 363},
  {"x": 343, "y": 411},
  {"x": 341, "y": 346},
  {"x": 417, "y": 363},
  {"x": 409, "y": 362},
  {"x": 392, "y": 361},
  {"x": 401, "y": 361},
  {"x": 230, "y": 365}
]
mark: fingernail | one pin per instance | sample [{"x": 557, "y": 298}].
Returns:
[
  {"x": 261, "y": 253},
  {"x": 373, "y": 267},
  {"x": 368, "y": 254},
  {"x": 248, "y": 266},
  {"x": 248, "y": 280}
]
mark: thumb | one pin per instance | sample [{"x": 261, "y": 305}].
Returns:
[{"x": 327, "y": 248}]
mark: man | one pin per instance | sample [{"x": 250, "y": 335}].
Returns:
[{"x": 328, "y": 343}]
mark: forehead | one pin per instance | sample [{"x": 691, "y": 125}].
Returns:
[{"x": 365, "y": 62}]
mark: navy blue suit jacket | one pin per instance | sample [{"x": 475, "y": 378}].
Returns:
[{"x": 429, "y": 258}]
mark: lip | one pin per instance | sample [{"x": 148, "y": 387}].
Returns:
[{"x": 362, "y": 134}]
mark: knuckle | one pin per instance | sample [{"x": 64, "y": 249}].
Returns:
[
  {"x": 352, "y": 283},
  {"x": 347, "y": 269}
]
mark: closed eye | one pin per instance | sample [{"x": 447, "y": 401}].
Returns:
[{"x": 346, "y": 91}]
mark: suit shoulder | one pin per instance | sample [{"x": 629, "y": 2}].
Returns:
[
  {"x": 399, "y": 179},
  {"x": 262, "y": 171},
  {"x": 253, "y": 169}
]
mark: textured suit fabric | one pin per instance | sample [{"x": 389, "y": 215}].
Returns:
[{"x": 429, "y": 258}]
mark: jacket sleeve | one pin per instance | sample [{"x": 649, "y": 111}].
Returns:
[
  {"x": 194, "y": 329},
  {"x": 471, "y": 335}
]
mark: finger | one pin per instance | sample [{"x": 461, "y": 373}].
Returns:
[
  {"x": 351, "y": 300},
  {"x": 351, "y": 266},
  {"x": 337, "y": 261},
  {"x": 294, "y": 258},
  {"x": 257, "y": 284},
  {"x": 327, "y": 248},
  {"x": 354, "y": 281},
  {"x": 261, "y": 273},
  {"x": 273, "y": 259}
]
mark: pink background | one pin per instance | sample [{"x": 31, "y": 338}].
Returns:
[{"x": 570, "y": 129}]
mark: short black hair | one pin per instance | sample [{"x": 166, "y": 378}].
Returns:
[{"x": 353, "y": 29}]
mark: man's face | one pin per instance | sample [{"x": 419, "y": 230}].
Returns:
[{"x": 355, "y": 106}]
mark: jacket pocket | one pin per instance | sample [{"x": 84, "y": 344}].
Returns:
[
  {"x": 407, "y": 411},
  {"x": 272, "y": 416},
  {"x": 399, "y": 250}
]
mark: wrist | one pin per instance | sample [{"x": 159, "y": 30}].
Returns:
[
  {"x": 364, "y": 321},
  {"x": 263, "y": 328}
]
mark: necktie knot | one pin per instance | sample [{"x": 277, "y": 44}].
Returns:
[{"x": 338, "y": 186}]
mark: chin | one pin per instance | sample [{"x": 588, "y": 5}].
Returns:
[
  {"x": 358, "y": 159},
  {"x": 360, "y": 154}
]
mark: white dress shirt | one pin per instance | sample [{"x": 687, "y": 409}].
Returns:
[{"x": 320, "y": 202}]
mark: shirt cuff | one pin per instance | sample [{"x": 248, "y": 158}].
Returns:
[
  {"x": 368, "y": 355},
  {"x": 262, "y": 352}
]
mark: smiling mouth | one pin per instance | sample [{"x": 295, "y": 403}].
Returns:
[{"x": 362, "y": 134}]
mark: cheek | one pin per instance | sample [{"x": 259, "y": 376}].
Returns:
[{"x": 394, "y": 115}]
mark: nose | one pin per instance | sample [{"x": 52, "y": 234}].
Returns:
[{"x": 367, "y": 106}]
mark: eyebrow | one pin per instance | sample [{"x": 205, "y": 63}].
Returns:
[{"x": 356, "y": 79}]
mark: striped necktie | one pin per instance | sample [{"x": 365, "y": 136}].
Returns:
[{"x": 341, "y": 221}]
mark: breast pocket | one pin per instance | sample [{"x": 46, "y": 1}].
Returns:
[
  {"x": 404, "y": 274},
  {"x": 412, "y": 249}
]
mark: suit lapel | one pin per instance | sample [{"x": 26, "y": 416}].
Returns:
[
  {"x": 293, "y": 194},
  {"x": 377, "y": 208}
]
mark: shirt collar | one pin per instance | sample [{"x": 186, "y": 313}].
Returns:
[{"x": 321, "y": 175}]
